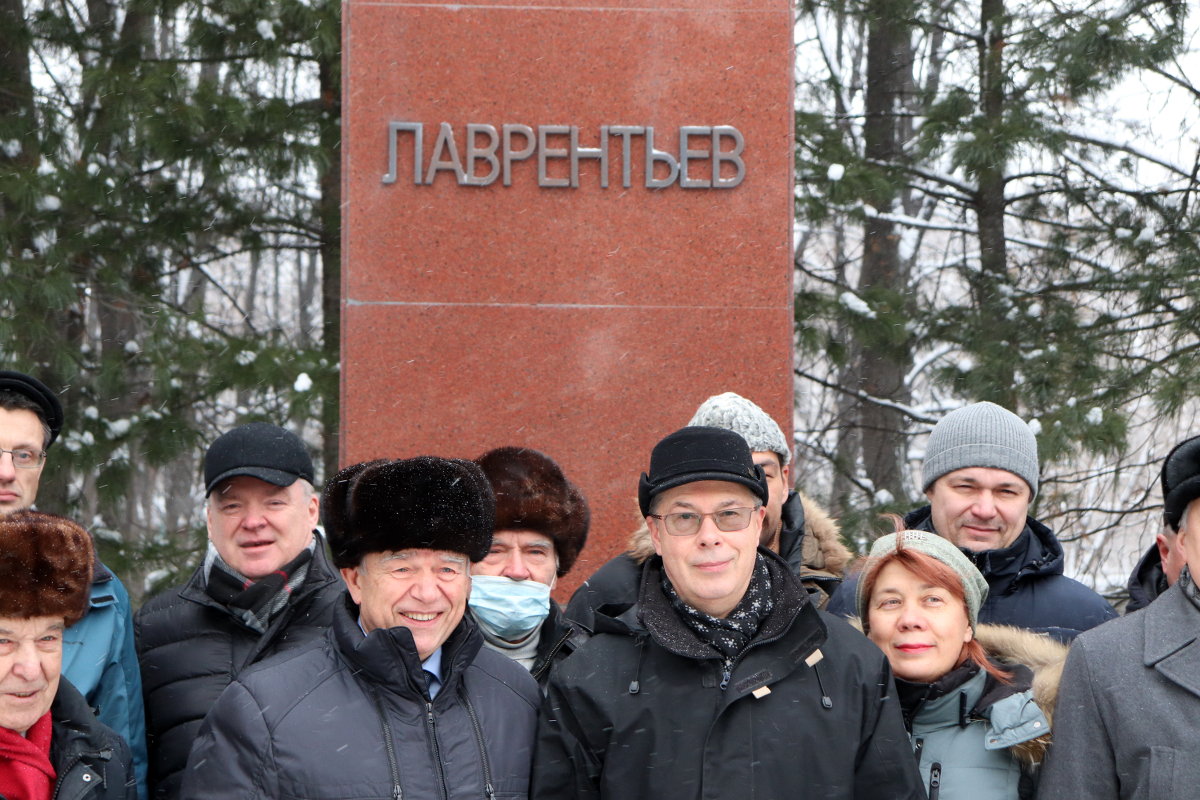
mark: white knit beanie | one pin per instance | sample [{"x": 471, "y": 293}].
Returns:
[{"x": 735, "y": 413}]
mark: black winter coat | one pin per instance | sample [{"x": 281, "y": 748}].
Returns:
[
  {"x": 558, "y": 639},
  {"x": 1026, "y": 585},
  {"x": 91, "y": 760},
  {"x": 1147, "y": 582},
  {"x": 350, "y": 717},
  {"x": 639, "y": 711},
  {"x": 190, "y": 648}
]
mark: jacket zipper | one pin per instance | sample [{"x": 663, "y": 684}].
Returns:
[
  {"x": 431, "y": 725},
  {"x": 103, "y": 755},
  {"x": 935, "y": 780},
  {"x": 397, "y": 794},
  {"x": 544, "y": 667},
  {"x": 488, "y": 790}
]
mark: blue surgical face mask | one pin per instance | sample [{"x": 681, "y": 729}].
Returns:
[{"x": 509, "y": 609}]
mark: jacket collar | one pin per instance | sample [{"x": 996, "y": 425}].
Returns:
[
  {"x": 791, "y": 536},
  {"x": 1147, "y": 581},
  {"x": 76, "y": 730},
  {"x": 655, "y": 615},
  {"x": 1036, "y": 552},
  {"x": 320, "y": 574},
  {"x": 378, "y": 655},
  {"x": 1170, "y": 644}
]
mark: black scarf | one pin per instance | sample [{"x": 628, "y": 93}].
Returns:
[
  {"x": 730, "y": 635},
  {"x": 1188, "y": 584},
  {"x": 255, "y": 602}
]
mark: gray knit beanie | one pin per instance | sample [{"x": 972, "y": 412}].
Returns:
[
  {"x": 981, "y": 435},
  {"x": 735, "y": 413},
  {"x": 975, "y": 588}
]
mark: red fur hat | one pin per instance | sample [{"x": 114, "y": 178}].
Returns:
[
  {"x": 45, "y": 567},
  {"x": 533, "y": 494}
]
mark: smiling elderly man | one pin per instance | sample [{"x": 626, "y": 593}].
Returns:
[
  {"x": 980, "y": 475},
  {"x": 401, "y": 699},
  {"x": 265, "y": 586},
  {"x": 723, "y": 680},
  {"x": 51, "y": 744}
]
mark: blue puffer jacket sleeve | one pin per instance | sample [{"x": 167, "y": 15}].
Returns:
[{"x": 99, "y": 658}]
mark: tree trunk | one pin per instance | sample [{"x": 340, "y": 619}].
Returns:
[{"x": 881, "y": 364}]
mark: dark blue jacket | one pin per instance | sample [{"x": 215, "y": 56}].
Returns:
[
  {"x": 1026, "y": 585},
  {"x": 1147, "y": 582}
]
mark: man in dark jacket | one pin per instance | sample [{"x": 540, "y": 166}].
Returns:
[
  {"x": 541, "y": 527},
  {"x": 51, "y": 744},
  {"x": 723, "y": 680},
  {"x": 980, "y": 474},
  {"x": 98, "y": 651},
  {"x": 1159, "y": 568},
  {"x": 1125, "y": 720},
  {"x": 795, "y": 527},
  {"x": 266, "y": 586},
  {"x": 401, "y": 699}
]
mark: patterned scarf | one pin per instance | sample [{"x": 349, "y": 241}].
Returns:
[
  {"x": 254, "y": 602},
  {"x": 730, "y": 635},
  {"x": 25, "y": 768},
  {"x": 1188, "y": 585}
]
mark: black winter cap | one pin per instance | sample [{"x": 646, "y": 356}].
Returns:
[
  {"x": 1180, "y": 480},
  {"x": 424, "y": 502},
  {"x": 696, "y": 454},
  {"x": 260, "y": 450},
  {"x": 38, "y": 392}
]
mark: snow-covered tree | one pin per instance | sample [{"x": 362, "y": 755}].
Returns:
[{"x": 1026, "y": 176}]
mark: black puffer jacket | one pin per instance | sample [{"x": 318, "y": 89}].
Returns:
[
  {"x": 190, "y": 648},
  {"x": 1026, "y": 585},
  {"x": 1147, "y": 582},
  {"x": 639, "y": 710},
  {"x": 558, "y": 639},
  {"x": 92, "y": 762},
  {"x": 350, "y": 717}
]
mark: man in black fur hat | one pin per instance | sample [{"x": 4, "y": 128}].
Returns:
[{"x": 400, "y": 699}]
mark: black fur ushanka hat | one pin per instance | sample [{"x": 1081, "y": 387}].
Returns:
[
  {"x": 423, "y": 502},
  {"x": 533, "y": 494},
  {"x": 45, "y": 567}
]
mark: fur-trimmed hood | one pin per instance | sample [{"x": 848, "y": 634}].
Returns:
[{"x": 1045, "y": 657}]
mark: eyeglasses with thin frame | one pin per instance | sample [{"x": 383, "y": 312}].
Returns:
[
  {"x": 25, "y": 459},
  {"x": 687, "y": 523}
]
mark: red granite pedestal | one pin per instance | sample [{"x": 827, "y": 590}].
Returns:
[{"x": 563, "y": 303}]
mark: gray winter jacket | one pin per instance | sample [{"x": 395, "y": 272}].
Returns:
[
  {"x": 1126, "y": 721},
  {"x": 964, "y": 741},
  {"x": 350, "y": 717}
]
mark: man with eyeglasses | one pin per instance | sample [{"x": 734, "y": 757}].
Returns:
[
  {"x": 98, "y": 655},
  {"x": 724, "y": 680}
]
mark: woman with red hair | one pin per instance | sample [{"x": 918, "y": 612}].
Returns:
[{"x": 978, "y": 715}]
